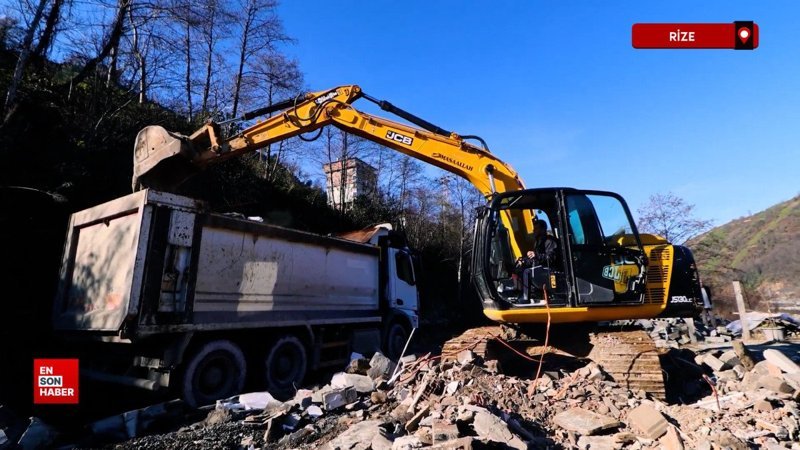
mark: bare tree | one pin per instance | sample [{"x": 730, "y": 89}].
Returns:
[
  {"x": 466, "y": 199},
  {"x": 260, "y": 29},
  {"x": 214, "y": 28},
  {"x": 22, "y": 61},
  {"x": 110, "y": 42},
  {"x": 671, "y": 217},
  {"x": 50, "y": 24}
]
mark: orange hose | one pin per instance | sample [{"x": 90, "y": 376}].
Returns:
[{"x": 546, "y": 340}]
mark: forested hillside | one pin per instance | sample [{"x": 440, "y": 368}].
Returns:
[
  {"x": 79, "y": 80},
  {"x": 761, "y": 250}
]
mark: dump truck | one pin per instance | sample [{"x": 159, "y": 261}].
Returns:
[{"x": 159, "y": 293}]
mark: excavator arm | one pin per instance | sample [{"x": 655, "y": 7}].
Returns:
[{"x": 163, "y": 159}]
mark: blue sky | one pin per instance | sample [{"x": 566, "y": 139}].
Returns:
[{"x": 559, "y": 93}]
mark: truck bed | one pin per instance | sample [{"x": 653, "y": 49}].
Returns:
[{"x": 152, "y": 262}]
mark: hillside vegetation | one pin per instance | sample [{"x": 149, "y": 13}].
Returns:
[{"x": 762, "y": 251}]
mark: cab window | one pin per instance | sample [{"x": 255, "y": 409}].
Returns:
[{"x": 405, "y": 267}]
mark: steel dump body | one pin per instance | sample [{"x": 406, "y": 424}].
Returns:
[{"x": 152, "y": 263}]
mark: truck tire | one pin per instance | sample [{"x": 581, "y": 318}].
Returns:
[
  {"x": 215, "y": 371},
  {"x": 285, "y": 365},
  {"x": 396, "y": 337}
]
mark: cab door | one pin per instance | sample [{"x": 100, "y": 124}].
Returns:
[
  {"x": 605, "y": 253},
  {"x": 402, "y": 280}
]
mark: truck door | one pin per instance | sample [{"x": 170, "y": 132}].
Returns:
[
  {"x": 605, "y": 252},
  {"x": 402, "y": 281}
]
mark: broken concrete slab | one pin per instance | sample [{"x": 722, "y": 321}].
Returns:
[
  {"x": 671, "y": 440},
  {"x": 442, "y": 431},
  {"x": 730, "y": 358},
  {"x": 259, "y": 400},
  {"x": 407, "y": 443},
  {"x": 380, "y": 366},
  {"x": 490, "y": 427},
  {"x": 584, "y": 421},
  {"x": 337, "y": 398},
  {"x": 715, "y": 363},
  {"x": 314, "y": 411},
  {"x": 465, "y": 357},
  {"x": 358, "y": 436},
  {"x": 380, "y": 442},
  {"x": 774, "y": 384},
  {"x": 362, "y": 383},
  {"x": 413, "y": 423},
  {"x": 777, "y": 358},
  {"x": 598, "y": 443},
  {"x": 763, "y": 405},
  {"x": 793, "y": 380},
  {"x": 648, "y": 421}
]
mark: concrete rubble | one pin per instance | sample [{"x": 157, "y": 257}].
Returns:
[{"x": 463, "y": 402}]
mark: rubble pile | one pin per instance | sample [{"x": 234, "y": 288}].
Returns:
[
  {"x": 678, "y": 332},
  {"x": 748, "y": 398},
  {"x": 462, "y": 402}
]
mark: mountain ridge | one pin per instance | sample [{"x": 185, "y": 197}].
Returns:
[{"x": 762, "y": 251}]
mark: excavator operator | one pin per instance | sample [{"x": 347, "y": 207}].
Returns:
[{"x": 535, "y": 267}]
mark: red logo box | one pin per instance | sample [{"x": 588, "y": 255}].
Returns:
[{"x": 55, "y": 381}]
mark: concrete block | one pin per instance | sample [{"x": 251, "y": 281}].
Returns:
[
  {"x": 777, "y": 358},
  {"x": 444, "y": 431},
  {"x": 671, "y": 440},
  {"x": 406, "y": 443},
  {"x": 649, "y": 422},
  {"x": 774, "y": 384},
  {"x": 465, "y": 357},
  {"x": 598, "y": 443},
  {"x": 336, "y": 398},
  {"x": 492, "y": 428},
  {"x": 715, "y": 363},
  {"x": 380, "y": 366},
  {"x": 763, "y": 405},
  {"x": 584, "y": 422},
  {"x": 362, "y": 383},
  {"x": 730, "y": 358}
]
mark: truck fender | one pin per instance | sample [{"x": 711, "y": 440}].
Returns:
[{"x": 174, "y": 353}]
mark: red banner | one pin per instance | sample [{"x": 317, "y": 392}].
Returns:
[
  {"x": 736, "y": 35},
  {"x": 55, "y": 381}
]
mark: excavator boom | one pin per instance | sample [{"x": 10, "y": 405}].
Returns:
[{"x": 163, "y": 159}]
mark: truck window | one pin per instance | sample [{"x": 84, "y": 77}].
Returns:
[{"x": 405, "y": 268}]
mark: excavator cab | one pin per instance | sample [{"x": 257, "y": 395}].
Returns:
[{"x": 599, "y": 258}]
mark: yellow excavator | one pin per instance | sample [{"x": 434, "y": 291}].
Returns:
[{"x": 603, "y": 270}]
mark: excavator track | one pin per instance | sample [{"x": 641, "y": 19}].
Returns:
[
  {"x": 629, "y": 357},
  {"x": 476, "y": 339}
]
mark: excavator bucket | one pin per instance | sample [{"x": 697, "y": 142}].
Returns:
[{"x": 161, "y": 159}]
